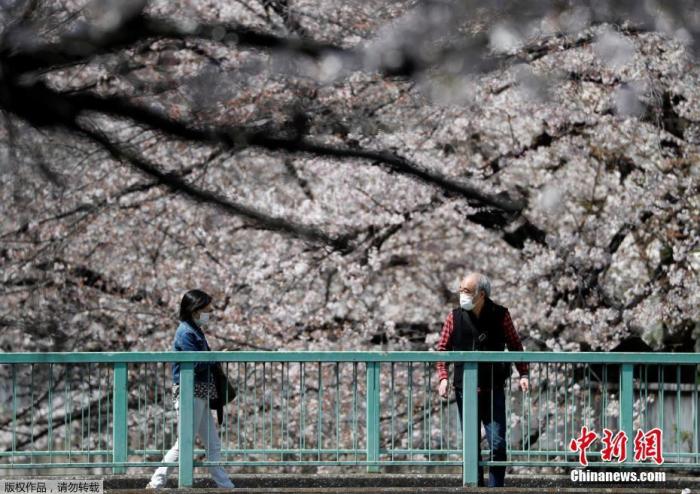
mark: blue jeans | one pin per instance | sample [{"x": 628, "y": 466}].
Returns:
[{"x": 495, "y": 425}]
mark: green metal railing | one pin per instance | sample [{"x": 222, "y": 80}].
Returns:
[{"x": 109, "y": 412}]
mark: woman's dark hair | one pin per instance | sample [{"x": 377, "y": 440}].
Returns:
[{"x": 192, "y": 301}]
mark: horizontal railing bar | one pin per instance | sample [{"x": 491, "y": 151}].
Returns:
[
  {"x": 535, "y": 452},
  {"x": 309, "y": 451},
  {"x": 97, "y": 464},
  {"x": 231, "y": 463},
  {"x": 436, "y": 452},
  {"x": 57, "y": 452},
  {"x": 347, "y": 463},
  {"x": 589, "y": 454},
  {"x": 442, "y": 463},
  {"x": 329, "y": 463},
  {"x": 144, "y": 357},
  {"x": 604, "y": 464}
]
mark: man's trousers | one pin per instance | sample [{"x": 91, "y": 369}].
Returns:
[{"x": 492, "y": 412}]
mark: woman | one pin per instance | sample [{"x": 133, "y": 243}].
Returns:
[{"x": 189, "y": 337}]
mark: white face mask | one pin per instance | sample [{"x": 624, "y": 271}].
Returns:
[
  {"x": 203, "y": 318},
  {"x": 466, "y": 302}
]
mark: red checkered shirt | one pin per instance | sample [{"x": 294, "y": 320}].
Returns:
[{"x": 512, "y": 342}]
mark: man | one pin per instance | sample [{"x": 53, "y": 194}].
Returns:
[{"x": 481, "y": 324}]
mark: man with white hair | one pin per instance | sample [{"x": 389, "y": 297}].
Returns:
[{"x": 481, "y": 324}]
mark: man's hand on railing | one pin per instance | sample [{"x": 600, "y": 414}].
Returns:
[
  {"x": 442, "y": 389},
  {"x": 524, "y": 383}
]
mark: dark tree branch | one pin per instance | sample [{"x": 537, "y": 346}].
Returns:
[
  {"x": 303, "y": 183},
  {"x": 31, "y": 103},
  {"x": 239, "y": 137},
  {"x": 78, "y": 48},
  {"x": 263, "y": 220},
  {"x": 44, "y": 106},
  {"x": 92, "y": 207}
]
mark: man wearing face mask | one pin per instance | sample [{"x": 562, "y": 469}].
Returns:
[{"x": 481, "y": 324}]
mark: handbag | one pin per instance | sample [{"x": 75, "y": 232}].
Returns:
[{"x": 224, "y": 390}]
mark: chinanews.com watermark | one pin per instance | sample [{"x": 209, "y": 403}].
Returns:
[
  {"x": 590, "y": 476},
  {"x": 647, "y": 446}
]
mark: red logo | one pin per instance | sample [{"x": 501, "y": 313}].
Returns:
[
  {"x": 583, "y": 442},
  {"x": 647, "y": 446},
  {"x": 614, "y": 446}
]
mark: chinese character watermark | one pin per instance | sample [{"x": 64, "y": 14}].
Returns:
[{"x": 647, "y": 446}]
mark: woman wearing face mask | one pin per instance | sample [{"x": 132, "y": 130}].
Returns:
[{"x": 194, "y": 314}]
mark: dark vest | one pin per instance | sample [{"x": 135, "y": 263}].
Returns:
[{"x": 482, "y": 334}]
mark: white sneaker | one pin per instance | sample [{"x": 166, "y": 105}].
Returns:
[{"x": 151, "y": 485}]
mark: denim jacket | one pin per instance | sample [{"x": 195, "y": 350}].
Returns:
[{"x": 189, "y": 337}]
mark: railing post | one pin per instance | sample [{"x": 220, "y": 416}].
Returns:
[
  {"x": 373, "y": 415},
  {"x": 627, "y": 406},
  {"x": 186, "y": 425},
  {"x": 470, "y": 424},
  {"x": 120, "y": 432}
]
